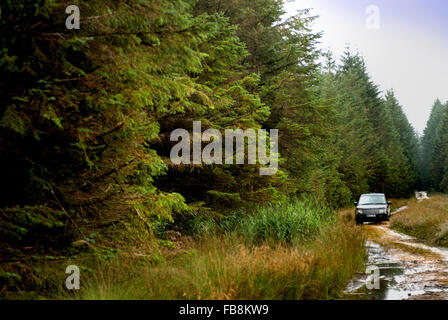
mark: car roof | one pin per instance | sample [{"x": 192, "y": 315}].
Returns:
[{"x": 373, "y": 194}]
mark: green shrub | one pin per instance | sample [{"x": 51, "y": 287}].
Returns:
[
  {"x": 24, "y": 226},
  {"x": 297, "y": 220}
]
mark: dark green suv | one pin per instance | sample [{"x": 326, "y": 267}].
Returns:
[{"x": 372, "y": 207}]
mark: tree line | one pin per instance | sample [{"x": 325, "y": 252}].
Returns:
[
  {"x": 434, "y": 150},
  {"x": 86, "y": 117}
]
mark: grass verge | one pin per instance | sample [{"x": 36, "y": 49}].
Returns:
[
  {"x": 226, "y": 268},
  {"x": 426, "y": 220},
  {"x": 298, "y": 250}
]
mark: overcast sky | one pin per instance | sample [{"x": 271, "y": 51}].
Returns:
[{"x": 408, "y": 52}]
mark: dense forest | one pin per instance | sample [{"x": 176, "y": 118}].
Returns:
[
  {"x": 434, "y": 150},
  {"x": 86, "y": 116}
]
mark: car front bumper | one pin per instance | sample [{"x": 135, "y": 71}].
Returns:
[{"x": 371, "y": 217}]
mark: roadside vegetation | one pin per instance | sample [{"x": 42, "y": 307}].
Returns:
[
  {"x": 400, "y": 203},
  {"x": 227, "y": 268},
  {"x": 86, "y": 177},
  {"x": 306, "y": 253},
  {"x": 426, "y": 220}
]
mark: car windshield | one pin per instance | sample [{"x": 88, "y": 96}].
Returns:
[{"x": 372, "y": 199}]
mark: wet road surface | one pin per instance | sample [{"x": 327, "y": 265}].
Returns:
[{"x": 408, "y": 269}]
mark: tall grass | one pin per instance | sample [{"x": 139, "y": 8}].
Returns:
[
  {"x": 226, "y": 268},
  {"x": 426, "y": 220},
  {"x": 263, "y": 255},
  {"x": 260, "y": 256},
  {"x": 289, "y": 222}
]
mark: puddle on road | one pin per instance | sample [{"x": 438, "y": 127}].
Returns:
[
  {"x": 391, "y": 273},
  {"x": 399, "y": 280},
  {"x": 403, "y": 275}
]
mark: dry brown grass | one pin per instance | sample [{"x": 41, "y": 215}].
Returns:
[
  {"x": 222, "y": 265},
  {"x": 346, "y": 215},
  {"x": 372, "y": 233},
  {"x": 398, "y": 203},
  {"x": 227, "y": 268},
  {"x": 426, "y": 220}
]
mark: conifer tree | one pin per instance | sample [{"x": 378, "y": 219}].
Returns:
[
  {"x": 439, "y": 163},
  {"x": 429, "y": 144}
]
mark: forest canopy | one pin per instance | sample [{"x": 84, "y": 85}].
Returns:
[{"x": 86, "y": 116}]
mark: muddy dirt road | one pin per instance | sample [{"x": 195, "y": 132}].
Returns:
[{"x": 408, "y": 269}]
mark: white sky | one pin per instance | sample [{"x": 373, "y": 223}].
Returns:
[{"x": 409, "y": 53}]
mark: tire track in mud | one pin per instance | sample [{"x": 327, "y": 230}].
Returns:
[{"x": 408, "y": 268}]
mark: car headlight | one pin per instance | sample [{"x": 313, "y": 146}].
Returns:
[
  {"x": 382, "y": 211},
  {"x": 359, "y": 211}
]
